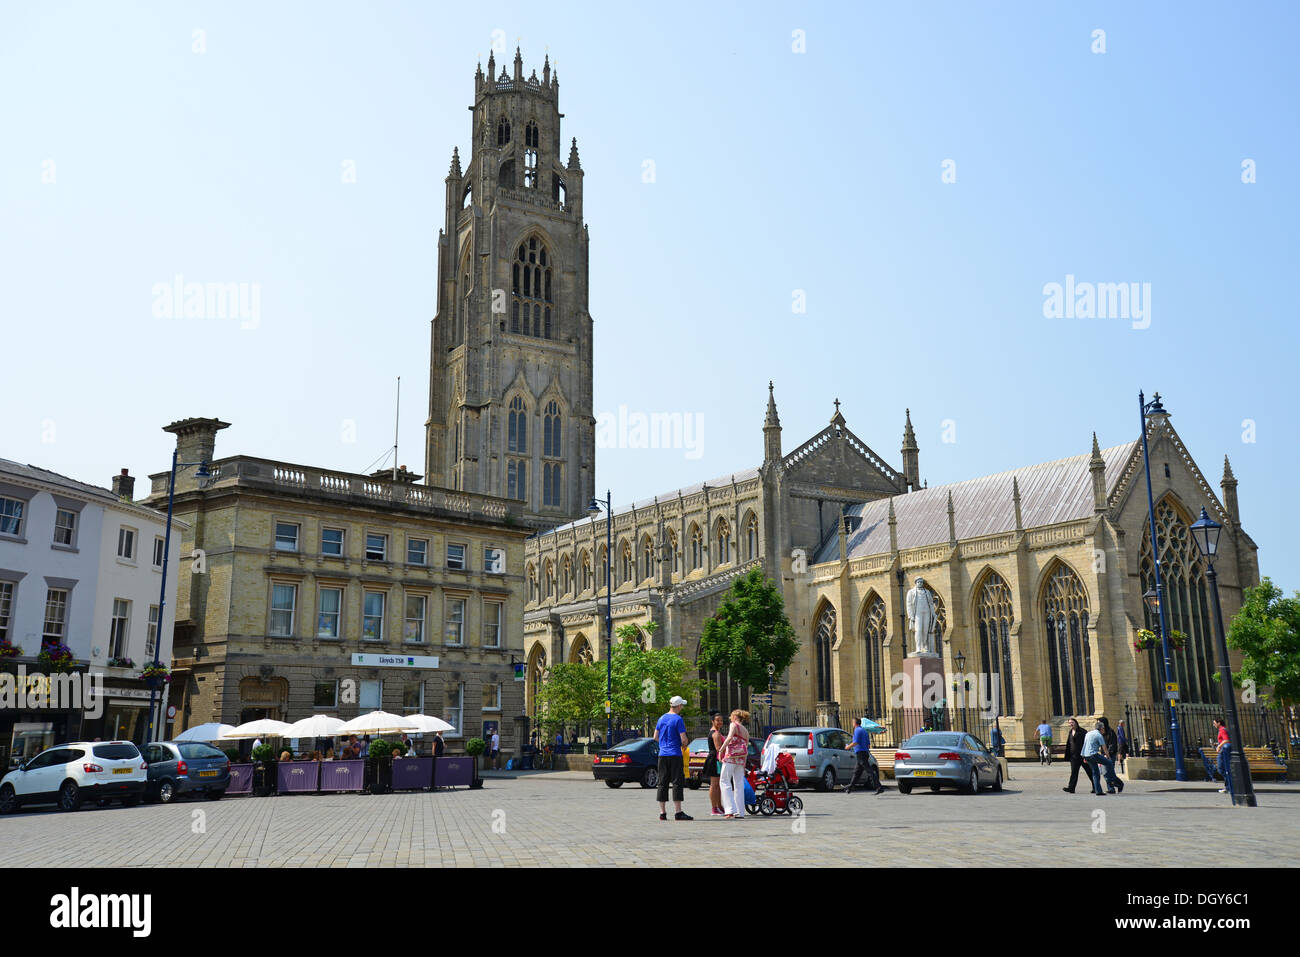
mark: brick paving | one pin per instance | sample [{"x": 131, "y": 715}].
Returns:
[{"x": 567, "y": 819}]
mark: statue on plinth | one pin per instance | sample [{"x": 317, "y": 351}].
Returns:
[{"x": 922, "y": 619}]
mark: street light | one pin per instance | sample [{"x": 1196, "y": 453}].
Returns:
[
  {"x": 203, "y": 476},
  {"x": 961, "y": 672},
  {"x": 1155, "y": 410},
  {"x": 593, "y": 510},
  {"x": 1206, "y": 533},
  {"x": 771, "y": 672}
]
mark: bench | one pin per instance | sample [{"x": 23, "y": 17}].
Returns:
[{"x": 1263, "y": 761}]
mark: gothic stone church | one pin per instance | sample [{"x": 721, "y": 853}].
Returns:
[{"x": 1038, "y": 573}]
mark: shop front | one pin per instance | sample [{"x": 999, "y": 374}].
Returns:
[{"x": 27, "y": 725}]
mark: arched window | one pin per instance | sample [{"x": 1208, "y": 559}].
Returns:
[
  {"x": 503, "y": 131},
  {"x": 676, "y": 550},
  {"x": 518, "y": 426},
  {"x": 517, "y": 479},
  {"x": 566, "y": 576},
  {"x": 629, "y": 565},
  {"x": 531, "y": 137},
  {"x": 602, "y": 567},
  {"x": 551, "y": 430},
  {"x": 1187, "y": 609},
  {"x": 647, "y": 557},
  {"x": 581, "y": 652},
  {"x": 548, "y": 578},
  {"x": 517, "y": 442},
  {"x": 874, "y": 624},
  {"x": 723, "y": 536},
  {"x": 993, "y": 611},
  {"x": 536, "y": 675},
  {"x": 532, "y": 583},
  {"x": 530, "y": 277},
  {"x": 531, "y": 143},
  {"x": 551, "y": 488},
  {"x": 751, "y": 538},
  {"x": 1069, "y": 657},
  {"x": 697, "y": 548},
  {"x": 823, "y": 640},
  {"x": 584, "y": 571}
]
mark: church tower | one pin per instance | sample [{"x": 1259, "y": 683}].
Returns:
[{"x": 510, "y": 378}]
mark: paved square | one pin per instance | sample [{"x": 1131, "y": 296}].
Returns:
[{"x": 568, "y": 819}]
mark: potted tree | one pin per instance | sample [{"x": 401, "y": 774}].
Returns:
[
  {"x": 474, "y": 747},
  {"x": 380, "y": 759},
  {"x": 263, "y": 770}
]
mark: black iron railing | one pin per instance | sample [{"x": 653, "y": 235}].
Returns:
[{"x": 1261, "y": 727}]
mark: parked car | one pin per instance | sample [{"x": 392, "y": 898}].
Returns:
[
  {"x": 822, "y": 757},
  {"x": 68, "y": 774},
  {"x": 946, "y": 759},
  {"x": 634, "y": 760},
  {"x": 699, "y": 751},
  {"x": 185, "y": 767}
]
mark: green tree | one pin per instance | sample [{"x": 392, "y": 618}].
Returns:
[
  {"x": 645, "y": 680},
  {"x": 572, "y": 694},
  {"x": 1267, "y": 633},
  {"x": 748, "y": 632}
]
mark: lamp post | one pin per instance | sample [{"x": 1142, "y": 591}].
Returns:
[
  {"x": 1155, "y": 410},
  {"x": 594, "y": 509},
  {"x": 771, "y": 673},
  {"x": 203, "y": 474},
  {"x": 1206, "y": 532},
  {"x": 961, "y": 675}
]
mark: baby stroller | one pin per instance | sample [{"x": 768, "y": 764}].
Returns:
[{"x": 771, "y": 790}]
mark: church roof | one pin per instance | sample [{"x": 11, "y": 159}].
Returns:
[
  {"x": 744, "y": 475},
  {"x": 1050, "y": 492}
]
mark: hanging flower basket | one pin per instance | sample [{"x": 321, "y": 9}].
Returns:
[
  {"x": 8, "y": 650},
  {"x": 1145, "y": 639},
  {"x": 155, "y": 676},
  {"x": 56, "y": 658},
  {"x": 1177, "y": 640}
]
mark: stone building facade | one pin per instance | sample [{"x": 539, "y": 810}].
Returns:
[
  {"x": 510, "y": 383},
  {"x": 320, "y": 591}
]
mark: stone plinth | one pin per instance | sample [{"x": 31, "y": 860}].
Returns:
[{"x": 922, "y": 681}]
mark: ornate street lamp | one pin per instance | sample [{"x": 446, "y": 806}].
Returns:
[
  {"x": 593, "y": 510},
  {"x": 1206, "y": 533},
  {"x": 961, "y": 675},
  {"x": 1155, "y": 410},
  {"x": 771, "y": 673}
]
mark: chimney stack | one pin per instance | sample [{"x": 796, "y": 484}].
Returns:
[{"x": 124, "y": 486}]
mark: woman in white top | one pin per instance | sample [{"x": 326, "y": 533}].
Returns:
[{"x": 734, "y": 751}]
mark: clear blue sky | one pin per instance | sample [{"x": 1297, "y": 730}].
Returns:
[{"x": 775, "y": 171}]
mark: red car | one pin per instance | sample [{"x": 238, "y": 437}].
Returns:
[{"x": 699, "y": 751}]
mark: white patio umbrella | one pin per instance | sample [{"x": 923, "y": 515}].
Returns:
[
  {"x": 376, "y": 722},
  {"x": 205, "y": 732},
  {"x": 261, "y": 728},
  {"x": 425, "y": 722},
  {"x": 317, "y": 726}
]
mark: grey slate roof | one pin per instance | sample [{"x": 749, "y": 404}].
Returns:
[
  {"x": 744, "y": 475},
  {"x": 93, "y": 493},
  {"x": 1051, "y": 492}
]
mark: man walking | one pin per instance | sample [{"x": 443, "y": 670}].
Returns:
[
  {"x": 496, "y": 749},
  {"x": 670, "y": 732},
  {"x": 861, "y": 745},
  {"x": 1073, "y": 752},
  {"x": 1094, "y": 750}
]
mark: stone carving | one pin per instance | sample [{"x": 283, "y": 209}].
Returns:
[{"x": 922, "y": 619}]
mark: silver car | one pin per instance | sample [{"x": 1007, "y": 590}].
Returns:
[
  {"x": 821, "y": 755},
  {"x": 946, "y": 758}
]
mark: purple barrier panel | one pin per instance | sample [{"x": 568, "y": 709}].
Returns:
[
  {"x": 342, "y": 775},
  {"x": 453, "y": 772},
  {"x": 297, "y": 777},
  {"x": 412, "y": 773},
  {"x": 241, "y": 779}
]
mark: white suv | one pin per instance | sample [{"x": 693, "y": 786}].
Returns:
[{"x": 68, "y": 774}]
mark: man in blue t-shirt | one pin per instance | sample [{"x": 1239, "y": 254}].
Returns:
[
  {"x": 670, "y": 732},
  {"x": 861, "y": 744}
]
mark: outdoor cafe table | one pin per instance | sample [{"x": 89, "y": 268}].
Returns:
[
  {"x": 412, "y": 774},
  {"x": 297, "y": 777},
  {"x": 343, "y": 775},
  {"x": 241, "y": 779}
]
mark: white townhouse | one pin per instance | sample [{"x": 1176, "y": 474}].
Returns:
[{"x": 82, "y": 566}]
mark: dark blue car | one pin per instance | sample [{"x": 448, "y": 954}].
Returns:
[{"x": 634, "y": 760}]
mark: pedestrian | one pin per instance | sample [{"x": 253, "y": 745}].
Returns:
[
  {"x": 1121, "y": 739},
  {"x": 438, "y": 744},
  {"x": 670, "y": 733},
  {"x": 365, "y": 746},
  {"x": 734, "y": 751},
  {"x": 496, "y": 747},
  {"x": 712, "y": 767},
  {"x": 1223, "y": 750},
  {"x": 998, "y": 742},
  {"x": 1073, "y": 752},
  {"x": 408, "y": 746},
  {"x": 1112, "y": 740},
  {"x": 861, "y": 746},
  {"x": 1094, "y": 751}
]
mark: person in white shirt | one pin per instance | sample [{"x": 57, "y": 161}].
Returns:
[{"x": 496, "y": 748}]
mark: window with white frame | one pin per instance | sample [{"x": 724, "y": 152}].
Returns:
[
  {"x": 329, "y": 606},
  {"x": 284, "y": 598},
  {"x": 376, "y": 547},
  {"x": 493, "y": 617},
  {"x": 494, "y": 560},
  {"x": 6, "y": 608},
  {"x": 56, "y": 616},
  {"x": 455, "y": 715},
  {"x": 159, "y": 546},
  {"x": 331, "y": 541},
  {"x": 455, "y": 630},
  {"x": 455, "y": 556},
  {"x": 65, "y": 527},
  {"x": 286, "y": 536},
  {"x": 11, "y": 516},
  {"x": 117, "y": 628},
  {"x": 126, "y": 543},
  {"x": 417, "y": 551},
  {"x": 491, "y": 697},
  {"x": 413, "y": 627},
  {"x": 372, "y": 620},
  {"x": 151, "y": 632},
  {"x": 372, "y": 694}
]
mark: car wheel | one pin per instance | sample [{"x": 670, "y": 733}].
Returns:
[
  {"x": 973, "y": 785},
  {"x": 828, "y": 779},
  {"x": 904, "y": 787},
  {"x": 215, "y": 795},
  {"x": 650, "y": 778},
  {"x": 794, "y": 804},
  {"x": 767, "y": 805},
  {"x": 934, "y": 788},
  {"x": 695, "y": 784},
  {"x": 613, "y": 784},
  {"x": 8, "y": 799},
  {"x": 69, "y": 796},
  {"x": 997, "y": 782},
  {"x": 166, "y": 792}
]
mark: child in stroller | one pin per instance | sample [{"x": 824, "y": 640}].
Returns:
[{"x": 771, "y": 789}]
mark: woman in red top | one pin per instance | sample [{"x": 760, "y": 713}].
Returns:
[{"x": 1224, "y": 749}]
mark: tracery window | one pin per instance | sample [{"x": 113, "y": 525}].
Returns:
[
  {"x": 584, "y": 565},
  {"x": 724, "y": 541},
  {"x": 751, "y": 538},
  {"x": 503, "y": 131},
  {"x": 676, "y": 550},
  {"x": 823, "y": 640},
  {"x": 530, "y": 277},
  {"x": 566, "y": 576},
  {"x": 874, "y": 625},
  {"x": 697, "y": 548},
  {"x": 647, "y": 557},
  {"x": 1069, "y": 655},
  {"x": 994, "y": 613},
  {"x": 531, "y": 138},
  {"x": 629, "y": 565}
]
